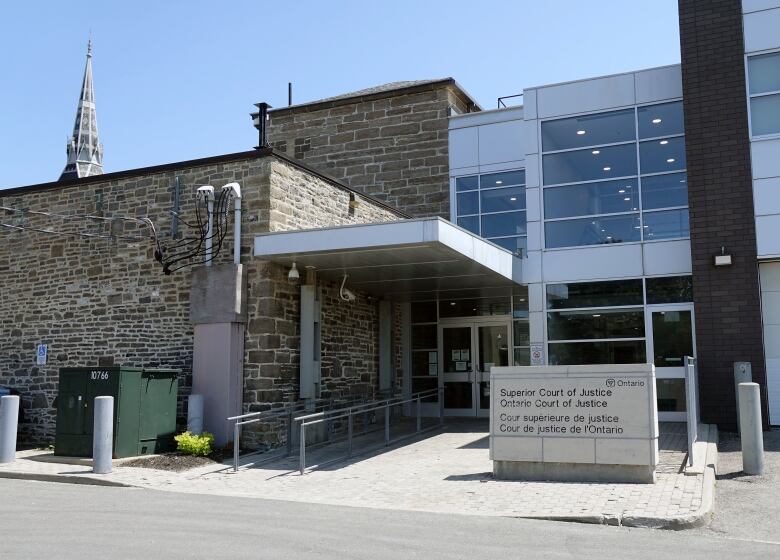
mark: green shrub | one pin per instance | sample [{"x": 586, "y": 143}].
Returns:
[{"x": 192, "y": 444}]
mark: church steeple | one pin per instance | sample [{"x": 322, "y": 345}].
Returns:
[{"x": 85, "y": 153}]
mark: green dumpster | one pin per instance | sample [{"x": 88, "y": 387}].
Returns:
[{"x": 144, "y": 409}]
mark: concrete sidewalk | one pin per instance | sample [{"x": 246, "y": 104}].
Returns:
[{"x": 447, "y": 472}]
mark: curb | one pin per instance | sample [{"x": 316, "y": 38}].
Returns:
[{"x": 63, "y": 478}]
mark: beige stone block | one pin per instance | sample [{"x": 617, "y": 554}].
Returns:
[{"x": 568, "y": 450}]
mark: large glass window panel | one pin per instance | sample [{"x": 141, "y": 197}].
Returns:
[
  {"x": 670, "y": 394},
  {"x": 667, "y": 224},
  {"x": 602, "y": 352},
  {"x": 424, "y": 337},
  {"x": 592, "y": 231},
  {"x": 521, "y": 333},
  {"x": 661, "y": 120},
  {"x": 425, "y": 363},
  {"x": 664, "y": 191},
  {"x": 765, "y": 114},
  {"x": 502, "y": 200},
  {"x": 493, "y": 343},
  {"x": 474, "y": 307},
  {"x": 591, "y": 198},
  {"x": 470, "y": 223},
  {"x": 522, "y": 357},
  {"x": 595, "y": 294},
  {"x": 588, "y": 130},
  {"x": 503, "y": 179},
  {"x": 516, "y": 245},
  {"x": 520, "y": 303},
  {"x": 595, "y": 323},
  {"x": 498, "y": 225},
  {"x": 669, "y": 289},
  {"x": 468, "y": 203},
  {"x": 590, "y": 164},
  {"x": 764, "y": 73},
  {"x": 467, "y": 183},
  {"x": 423, "y": 312},
  {"x": 657, "y": 156},
  {"x": 672, "y": 338}
]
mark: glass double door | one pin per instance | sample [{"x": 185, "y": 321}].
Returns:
[
  {"x": 468, "y": 350},
  {"x": 671, "y": 337}
]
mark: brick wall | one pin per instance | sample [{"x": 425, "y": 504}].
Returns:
[
  {"x": 93, "y": 300},
  {"x": 394, "y": 146},
  {"x": 720, "y": 196}
]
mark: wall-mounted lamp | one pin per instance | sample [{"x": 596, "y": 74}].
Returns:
[
  {"x": 293, "y": 274},
  {"x": 723, "y": 259},
  {"x": 354, "y": 201}
]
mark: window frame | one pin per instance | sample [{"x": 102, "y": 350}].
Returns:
[
  {"x": 637, "y": 178},
  {"x": 749, "y": 96}
]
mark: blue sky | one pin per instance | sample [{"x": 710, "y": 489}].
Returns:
[{"x": 176, "y": 80}]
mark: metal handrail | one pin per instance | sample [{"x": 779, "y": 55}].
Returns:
[
  {"x": 349, "y": 413},
  {"x": 285, "y": 411},
  {"x": 501, "y": 99}
]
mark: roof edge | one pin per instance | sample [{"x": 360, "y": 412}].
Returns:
[{"x": 326, "y": 104}]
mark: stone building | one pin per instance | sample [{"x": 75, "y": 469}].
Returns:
[{"x": 388, "y": 141}]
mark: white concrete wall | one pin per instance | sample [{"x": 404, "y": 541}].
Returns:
[
  {"x": 761, "y": 22},
  {"x": 770, "y": 314}
]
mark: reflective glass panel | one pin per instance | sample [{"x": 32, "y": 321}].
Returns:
[
  {"x": 498, "y": 225},
  {"x": 764, "y": 73},
  {"x": 471, "y": 223},
  {"x": 520, "y": 305},
  {"x": 670, "y": 289},
  {"x": 672, "y": 338},
  {"x": 467, "y": 183},
  {"x": 663, "y": 191},
  {"x": 493, "y": 347},
  {"x": 474, "y": 307},
  {"x": 516, "y": 245},
  {"x": 657, "y": 156},
  {"x": 590, "y": 164},
  {"x": 501, "y": 200},
  {"x": 456, "y": 349},
  {"x": 468, "y": 203},
  {"x": 592, "y": 231},
  {"x": 521, "y": 333},
  {"x": 604, "y": 352},
  {"x": 667, "y": 224},
  {"x": 765, "y": 114},
  {"x": 588, "y": 130},
  {"x": 522, "y": 356},
  {"x": 503, "y": 179},
  {"x": 594, "y": 294},
  {"x": 661, "y": 120},
  {"x": 425, "y": 363},
  {"x": 596, "y": 323},
  {"x": 591, "y": 198},
  {"x": 423, "y": 312},
  {"x": 424, "y": 337},
  {"x": 670, "y": 394}
]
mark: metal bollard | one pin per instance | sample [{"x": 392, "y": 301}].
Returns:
[
  {"x": 103, "y": 437},
  {"x": 9, "y": 418},
  {"x": 743, "y": 373},
  {"x": 751, "y": 432},
  {"x": 195, "y": 414}
]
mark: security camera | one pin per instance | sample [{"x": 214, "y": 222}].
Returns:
[{"x": 348, "y": 295}]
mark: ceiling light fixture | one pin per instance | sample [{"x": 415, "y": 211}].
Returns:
[
  {"x": 656, "y": 121},
  {"x": 627, "y": 199},
  {"x": 663, "y": 142},
  {"x": 499, "y": 182},
  {"x": 607, "y": 169},
  {"x": 621, "y": 191},
  {"x": 596, "y": 152},
  {"x": 513, "y": 199},
  {"x": 670, "y": 160},
  {"x": 580, "y": 132}
]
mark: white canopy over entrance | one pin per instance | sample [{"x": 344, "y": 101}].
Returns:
[{"x": 403, "y": 261}]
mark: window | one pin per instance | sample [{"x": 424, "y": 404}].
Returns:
[
  {"x": 521, "y": 330},
  {"x": 615, "y": 177},
  {"x": 764, "y": 89},
  {"x": 670, "y": 289},
  {"x": 590, "y": 322},
  {"x": 424, "y": 346},
  {"x": 493, "y": 205}
]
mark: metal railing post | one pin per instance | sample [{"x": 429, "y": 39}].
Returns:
[
  {"x": 419, "y": 416},
  {"x": 349, "y": 434},
  {"x": 302, "y": 443},
  {"x": 387, "y": 423},
  {"x": 441, "y": 405},
  {"x": 289, "y": 432},
  {"x": 236, "y": 431}
]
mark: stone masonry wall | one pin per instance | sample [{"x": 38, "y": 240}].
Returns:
[
  {"x": 96, "y": 301},
  {"x": 394, "y": 148}
]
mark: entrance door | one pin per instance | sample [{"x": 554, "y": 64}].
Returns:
[
  {"x": 670, "y": 337},
  {"x": 468, "y": 352}
]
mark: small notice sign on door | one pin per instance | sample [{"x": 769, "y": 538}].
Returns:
[{"x": 537, "y": 354}]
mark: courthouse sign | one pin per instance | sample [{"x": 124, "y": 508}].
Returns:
[{"x": 594, "y": 422}]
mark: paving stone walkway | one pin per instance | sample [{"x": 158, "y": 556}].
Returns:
[{"x": 448, "y": 472}]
